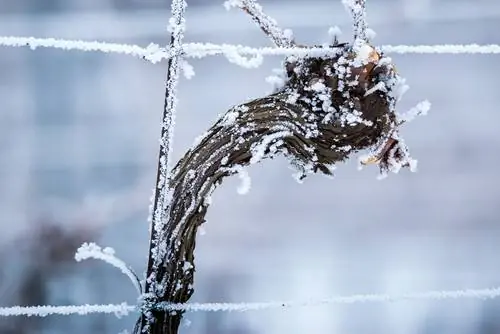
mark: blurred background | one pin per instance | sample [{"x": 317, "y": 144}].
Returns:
[{"x": 78, "y": 146}]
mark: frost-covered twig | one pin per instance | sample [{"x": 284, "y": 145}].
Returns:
[
  {"x": 281, "y": 38},
  {"x": 119, "y": 310},
  {"x": 421, "y": 109},
  {"x": 357, "y": 8},
  {"x": 162, "y": 194},
  {"x": 160, "y": 206},
  {"x": 93, "y": 251}
]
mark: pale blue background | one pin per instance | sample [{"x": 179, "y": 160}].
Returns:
[{"x": 78, "y": 143}]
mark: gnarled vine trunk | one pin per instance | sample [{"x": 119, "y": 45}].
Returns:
[{"x": 328, "y": 109}]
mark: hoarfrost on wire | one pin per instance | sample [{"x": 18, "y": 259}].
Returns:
[
  {"x": 124, "y": 309},
  {"x": 233, "y": 56},
  {"x": 154, "y": 53},
  {"x": 119, "y": 310}
]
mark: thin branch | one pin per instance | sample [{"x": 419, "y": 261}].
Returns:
[
  {"x": 163, "y": 193},
  {"x": 161, "y": 198},
  {"x": 93, "y": 251},
  {"x": 280, "y": 37},
  {"x": 357, "y": 8}
]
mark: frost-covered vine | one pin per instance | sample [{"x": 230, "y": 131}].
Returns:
[{"x": 160, "y": 207}]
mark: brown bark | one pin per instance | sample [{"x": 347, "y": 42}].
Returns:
[{"x": 291, "y": 122}]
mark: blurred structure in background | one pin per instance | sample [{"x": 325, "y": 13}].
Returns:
[{"x": 79, "y": 139}]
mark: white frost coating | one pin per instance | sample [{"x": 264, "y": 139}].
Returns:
[
  {"x": 380, "y": 86},
  {"x": 318, "y": 87},
  {"x": 364, "y": 53},
  {"x": 185, "y": 322},
  {"x": 154, "y": 53},
  {"x": 165, "y": 193},
  {"x": 187, "y": 69},
  {"x": 421, "y": 109},
  {"x": 278, "y": 79},
  {"x": 246, "y": 181},
  {"x": 119, "y": 310},
  {"x": 93, "y": 251},
  {"x": 277, "y": 82},
  {"x": 200, "y": 50},
  {"x": 288, "y": 34},
  {"x": 370, "y": 34},
  {"x": 280, "y": 37},
  {"x": 229, "y": 118},
  {"x": 125, "y": 309},
  {"x": 358, "y": 13},
  {"x": 228, "y": 4},
  {"x": 187, "y": 266},
  {"x": 259, "y": 150},
  {"x": 236, "y": 58},
  {"x": 353, "y": 299},
  {"x": 443, "y": 49},
  {"x": 397, "y": 88}
]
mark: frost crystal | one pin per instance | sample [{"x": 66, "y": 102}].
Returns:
[
  {"x": 246, "y": 182},
  {"x": 187, "y": 69},
  {"x": 93, "y": 251}
]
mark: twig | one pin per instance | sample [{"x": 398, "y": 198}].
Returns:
[
  {"x": 280, "y": 37},
  {"x": 93, "y": 251},
  {"x": 357, "y": 8},
  {"x": 162, "y": 196}
]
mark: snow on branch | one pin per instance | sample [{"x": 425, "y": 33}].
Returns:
[
  {"x": 118, "y": 310},
  {"x": 93, "y": 251},
  {"x": 281, "y": 38},
  {"x": 422, "y": 108},
  {"x": 357, "y": 8},
  {"x": 124, "y": 309},
  {"x": 163, "y": 194}
]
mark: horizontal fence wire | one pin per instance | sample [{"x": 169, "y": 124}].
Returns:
[
  {"x": 125, "y": 309},
  {"x": 155, "y": 53}
]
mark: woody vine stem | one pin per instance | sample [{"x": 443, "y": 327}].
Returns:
[{"x": 326, "y": 109}]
